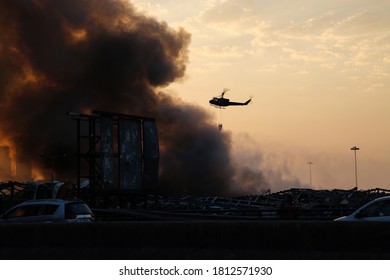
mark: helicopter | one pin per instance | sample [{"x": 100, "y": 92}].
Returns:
[{"x": 222, "y": 102}]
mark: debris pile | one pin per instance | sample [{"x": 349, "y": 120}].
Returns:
[
  {"x": 293, "y": 203},
  {"x": 13, "y": 192}
]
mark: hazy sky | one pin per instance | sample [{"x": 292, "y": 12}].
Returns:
[{"x": 319, "y": 74}]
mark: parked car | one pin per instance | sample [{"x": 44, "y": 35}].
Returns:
[
  {"x": 49, "y": 211},
  {"x": 377, "y": 210}
]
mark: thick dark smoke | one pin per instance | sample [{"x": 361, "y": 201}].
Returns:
[{"x": 79, "y": 55}]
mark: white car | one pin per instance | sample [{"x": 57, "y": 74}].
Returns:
[
  {"x": 48, "y": 211},
  {"x": 377, "y": 210}
]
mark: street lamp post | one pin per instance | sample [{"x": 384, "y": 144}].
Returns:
[
  {"x": 52, "y": 158},
  {"x": 354, "y": 149},
  {"x": 310, "y": 163}
]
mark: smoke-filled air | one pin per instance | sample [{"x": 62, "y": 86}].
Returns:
[
  {"x": 81, "y": 55},
  {"x": 60, "y": 56}
]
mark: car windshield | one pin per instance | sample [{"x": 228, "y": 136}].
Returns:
[{"x": 381, "y": 208}]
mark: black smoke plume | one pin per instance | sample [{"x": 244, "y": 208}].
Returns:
[{"x": 80, "y": 55}]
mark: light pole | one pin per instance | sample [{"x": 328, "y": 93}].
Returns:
[
  {"x": 310, "y": 163},
  {"x": 354, "y": 149},
  {"x": 52, "y": 158}
]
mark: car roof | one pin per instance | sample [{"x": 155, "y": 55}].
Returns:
[
  {"x": 383, "y": 198},
  {"x": 49, "y": 201},
  {"x": 380, "y": 198}
]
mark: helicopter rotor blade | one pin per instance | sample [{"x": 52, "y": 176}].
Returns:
[{"x": 224, "y": 91}]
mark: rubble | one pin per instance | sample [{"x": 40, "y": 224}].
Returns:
[
  {"x": 13, "y": 192},
  {"x": 293, "y": 203}
]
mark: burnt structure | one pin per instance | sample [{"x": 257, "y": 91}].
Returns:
[
  {"x": 117, "y": 154},
  {"x": 5, "y": 160}
]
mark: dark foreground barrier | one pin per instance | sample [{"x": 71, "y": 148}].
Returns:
[{"x": 197, "y": 240}]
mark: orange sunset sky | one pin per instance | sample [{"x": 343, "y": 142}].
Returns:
[{"x": 318, "y": 72}]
